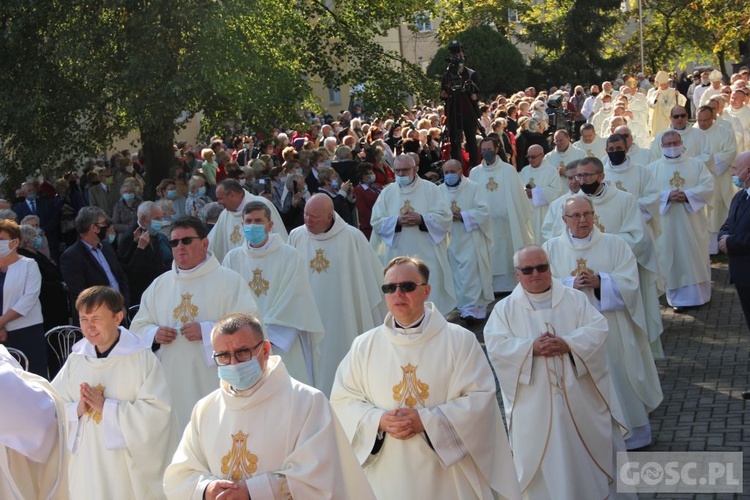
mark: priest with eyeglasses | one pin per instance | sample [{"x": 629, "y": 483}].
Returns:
[{"x": 416, "y": 398}]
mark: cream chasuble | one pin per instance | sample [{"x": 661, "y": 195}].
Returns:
[
  {"x": 425, "y": 198},
  {"x": 737, "y": 127},
  {"x": 122, "y": 452},
  {"x": 557, "y": 160},
  {"x": 683, "y": 245},
  {"x": 280, "y": 284},
  {"x": 597, "y": 149},
  {"x": 636, "y": 179},
  {"x": 554, "y": 214},
  {"x": 743, "y": 116},
  {"x": 345, "y": 277},
  {"x": 638, "y": 154},
  {"x": 469, "y": 249},
  {"x": 662, "y": 102},
  {"x": 546, "y": 187},
  {"x": 440, "y": 370},
  {"x": 617, "y": 213},
  {"x": 630, "y": 361},
  {"x": 203, "y": 295},
  {"x": 510, "y": 212},
  {"x": 227, "y": 233},
  {"x": 692, "y": 144},
  {"x": 558, "y": 409},
  {"x": 719, "y": 151},
  {"x": 280, "y": 438},
  {"x": 32, "y": 435},
  {"x": 598, "y": 121}
]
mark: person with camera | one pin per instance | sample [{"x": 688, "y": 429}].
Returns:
[{"x": 459, "y": 91}]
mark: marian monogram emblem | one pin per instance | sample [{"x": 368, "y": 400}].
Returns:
[
  {"x": 620, "y": 186},
  {"x": 531, "y": 183},
  {"x": 406, "y": 208},
  {"x": 410, "y": 390},
  {"x": 90, "y": 412},
  {"x": 677, "y": 181},
  {"x": 491, "y": 185},
  {"x": 239, "y": 463},
  {"x": 258, "y": 285},
  {"x": 319, "y": 263},
  {"x": 581, "y": 268},
  {"x": 598, "y": 224},
  {"x": 236, "y": 236},
  {"x": 186, "y": 311},
  {"x": 589, "y": 153},
  {"x": 454, "y": 206}
]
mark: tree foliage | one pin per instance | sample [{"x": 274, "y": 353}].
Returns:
[
  {"x": 500, "y": 65},
  {"x": 573, "y": 39},
  {"x": 458, "y": 16}
]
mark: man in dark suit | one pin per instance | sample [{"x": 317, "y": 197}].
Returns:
[
  {"x": 91, "y": 260},
  {"x": 42, "y": 208},
  {"x": 734, "y": 236}
]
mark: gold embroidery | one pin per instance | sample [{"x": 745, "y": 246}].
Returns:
[
  {"x": 589, "y": 153},
  {"x": 93, "y": 414},
  {"x": 410, "y": 390},
  {"x": 454, "y": 206},
  {"x": 236, "y": 236},
  {"x": 186, "y": 311},
  {"x": 531, "y": 184},
  {"x": 598, "y": 224},
  {"x": 406, "y": 208},
  {"x": 491, "y": 185},
  {"x": 239, "y": 463},
  {"x": 580, "y": 268},
  {"x": 319, "y": 263},
  {"x": 677, "y": 181},
  {"x": 620, "y": 186},
  {"x": 258, "y": 284}
]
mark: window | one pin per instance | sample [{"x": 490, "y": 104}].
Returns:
[
  {"x": 334, "y": 95},
  {"x": 512, "y": 16},
  {"x": 423, "y": 22}
]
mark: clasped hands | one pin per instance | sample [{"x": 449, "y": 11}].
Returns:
[
  {"x": 401, "y": 423},
  {"x": 587, "y": 279},
  {"x": 167, "y": 335},
  {"x": 410, "y": 218},
  {"x": 90, "y": 399},
  {"x": 223, "y": 489},
  {"x": 677, "y": 196},
  {"x": 549, "y": 344}
]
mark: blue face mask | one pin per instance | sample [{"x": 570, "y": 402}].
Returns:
[
  {"x": 255, "y": 234},
  {"x": 110, "y": 238},
  {"x": 155, "y": 226},
  {"x": 737, "y": 182},
  {"x": 128, "y": 196},
  {"x": 37, "y": 243},
  {"x": 335, "y": 183},
  {"x": 31, "y": 197},
  {"x": 172, "y": 194},
  {"x": 451, "y": 179},
  {"x": 403, "y": 180},
  {"x": 202, "y": 191},
  {"x": 242, "y": 375}
]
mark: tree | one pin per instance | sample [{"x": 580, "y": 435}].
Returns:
[
  {"x": 80, "y": 73},
  {"x": 458, "y": 16},
  {"x": 573, "y": 40},
  {"x": 500, "y": 65}
]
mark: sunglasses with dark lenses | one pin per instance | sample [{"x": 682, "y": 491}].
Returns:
[
  {"x": 406, "y": 287},
  {"x": 541, "y": 268},
  {"x": 681, "y": 115},
  {"x": 187, "y": 240}
]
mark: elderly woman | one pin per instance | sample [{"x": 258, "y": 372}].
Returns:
[
  {"x": 124, "y": 216},
  {"x": 526, "y": 139},
  {"x": 21, "y": 323},
  {"x": 342, "y": 194},
  {"x": 33, "y": 221},
  {"x": 167, "y": 190},
  {"x": 197, "y": 197}
]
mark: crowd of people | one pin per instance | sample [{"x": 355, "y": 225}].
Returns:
[{"x": 273, "y": 275}]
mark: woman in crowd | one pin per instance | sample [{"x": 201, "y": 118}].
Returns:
[
  {"x": 196, "y": 198},
  {"x": 124, "y": 215},
  {"x": 342, "y": 194}
]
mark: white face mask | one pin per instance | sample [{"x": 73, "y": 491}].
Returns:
[
  {"x": 5, "y": 249},
  {"x": 672, "y": 152}
]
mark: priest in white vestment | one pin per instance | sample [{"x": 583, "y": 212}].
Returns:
[
  {"x": 547, "y": 344},
  {"x": 510, "y": 212},
  {"x": 179, "y": 309},
  {"x": 416, "y": 398},
  {"x": 227, "y": 233},
  {"x": 730, "y": 122},
  {"x": 738, "y": 108},
  {"x": 555, "y": 208},
  {"x": 718, "y": 151},
  {"x": 590, "y": 143},
  {"x": 606, "y": 111},
  {"x": 345, "y": 277},
  {"x": 604, "y": 268},
  {"x": 281, "y": 287},
  {"x": 261, "y": 434},
  {"x": 617, "y": 213},
  {"x": 118, "y": 410},
  {"x": 563, "y": 153},
  {"x": 661, "y": 99},
  {"x": 543, "y": 185},
  {"x": 716, "y": 81},
  {"x": 411, "y": 217},
  {"x": 33, "y": 461},
  {"x": 686, "y": 187},
  {"x": 471, "y": 240},
  {"x": 691, "y": 138}
]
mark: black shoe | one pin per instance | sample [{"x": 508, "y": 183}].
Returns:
[
  {"x": 679, "y": 310},
  {"x": 746, "y": 395},
  {"x": 469, "y": 320}
]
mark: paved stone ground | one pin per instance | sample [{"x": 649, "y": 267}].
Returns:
[{"x": 705, "y": 371}]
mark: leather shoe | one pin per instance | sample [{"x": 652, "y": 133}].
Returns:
[{"x": 746, "y": 395}]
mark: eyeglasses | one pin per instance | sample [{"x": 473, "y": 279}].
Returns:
[
  {"x": 532, "y": 157},
  {"x": 402, "y": 171},
  {"x": 225, "y": 358},
  {"x": 585, "y": 177},
  {"x": 528, "y": 270},
  {"x": 584, "y": 215},
  {"x": 681, "y": 115},
  {"x": 187, "y": 240},
  {"x": 406, "y": 287}
]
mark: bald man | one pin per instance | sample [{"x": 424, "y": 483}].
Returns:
[
  {"x": 543, "y": 184},
  {"x": 345, "y": 277},
  {"x": 638, "y": 155}
]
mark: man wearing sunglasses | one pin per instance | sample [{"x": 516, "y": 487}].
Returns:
[
  {"x": 547, "y": 343},
  {"x": 416, "y": 398},
  {"x": 691, "y": 140},
  {"x": 179, "y": 309}
]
